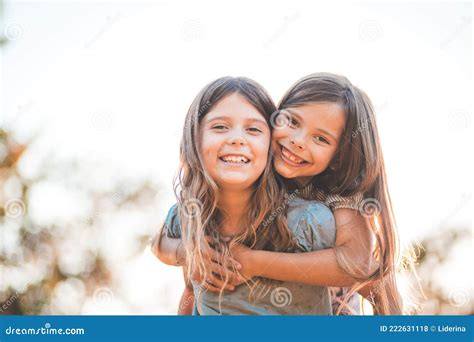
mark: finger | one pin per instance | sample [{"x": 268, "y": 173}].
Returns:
[
  {"x": 234, "y": 277},
  {"x": 237, "y": 264},
  {"x": 196, "y": 276},
  {"x": 220, "y": 270},
  {"x": 210, "y": 287},
  {"x": 216, "y": 281},
  {"x": 215, "y": 257}
]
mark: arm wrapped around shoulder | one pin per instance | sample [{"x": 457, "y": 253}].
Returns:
[{"x": 355, "y": 244}]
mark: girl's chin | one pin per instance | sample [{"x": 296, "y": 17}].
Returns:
[
  {"x": 285, "y": 170},
  {"x": 235, "y": 182}
]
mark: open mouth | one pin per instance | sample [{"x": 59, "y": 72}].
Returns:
[
  {"x": 291, "y": 158},
  {"x": 235, "y": 159}
]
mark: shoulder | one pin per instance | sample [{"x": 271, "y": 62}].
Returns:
[
  {"x": 312, "y": 223},
  {"x": 335, "y": 201},
  {"x": 171, "y": 225},
  {"x": 173, "y": 213},
  {"x": 311, "y": 211}
]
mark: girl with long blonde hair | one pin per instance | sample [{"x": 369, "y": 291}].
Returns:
[{"x": 229, "y": 196}]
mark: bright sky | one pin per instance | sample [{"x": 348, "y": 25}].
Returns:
[{"x": 113, "y": 82}]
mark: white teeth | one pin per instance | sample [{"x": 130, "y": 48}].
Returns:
[
  {"x": 235, "y": 159},
  {"x": 291, "y": 156}
]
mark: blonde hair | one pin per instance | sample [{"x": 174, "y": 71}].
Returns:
[{"x": 197, "y": 193}]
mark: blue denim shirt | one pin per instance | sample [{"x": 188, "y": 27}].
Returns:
[{"x": 313, "y": 227}]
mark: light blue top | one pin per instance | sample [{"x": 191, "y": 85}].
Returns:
[{"x": 313, "y": 227}]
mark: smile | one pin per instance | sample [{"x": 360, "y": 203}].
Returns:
[
  {"x": 235, "y": 159},
  {"x": 291, "y": 158}
]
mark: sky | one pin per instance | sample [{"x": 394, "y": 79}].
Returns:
[{"x": 112, "y": 82}]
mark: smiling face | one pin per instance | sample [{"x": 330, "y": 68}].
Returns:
[
  {"x": 235, "y": 139},
  {"x": 306, "y": 145}
]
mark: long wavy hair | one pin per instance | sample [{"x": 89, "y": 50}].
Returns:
[
  {"x": 357, "y": 167},
  {"x": 197, "y": 193}
]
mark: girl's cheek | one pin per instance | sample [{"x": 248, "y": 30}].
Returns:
[{"x": 280, "y": 133}]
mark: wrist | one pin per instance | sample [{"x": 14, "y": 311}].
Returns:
[{"x": 252, "y": 259}]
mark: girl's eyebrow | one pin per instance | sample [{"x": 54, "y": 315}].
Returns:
[
  {"x": 263, "y": 122},
  {"x": 219, "y": 118}
]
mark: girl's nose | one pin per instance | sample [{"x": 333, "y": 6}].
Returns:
[
  {"x": 297, "y": 142},
  {"x": 237, "y": 139}
]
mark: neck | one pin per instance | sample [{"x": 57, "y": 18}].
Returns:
[
  {"x": 234, "y": 204},
  {"x": 302, "y": 182}
]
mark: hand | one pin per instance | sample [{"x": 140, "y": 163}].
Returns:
[{"x": 213, "y": 281}]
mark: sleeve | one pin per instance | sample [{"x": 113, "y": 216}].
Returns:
[
  {"x": 171, "y": 226},
  {"x": 339, "y": 202},
  {"x": 316, "y": 227}
]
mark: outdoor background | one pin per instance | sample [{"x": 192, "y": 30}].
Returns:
[{"x": 93, "y": 98}]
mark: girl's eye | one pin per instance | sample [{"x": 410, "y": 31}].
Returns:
[
  {"x": 291, "y": 121},
  {"x": 219, "y": 127},
  {"x": 321, "y": 139},
  {"x": 255, "y": 129}
]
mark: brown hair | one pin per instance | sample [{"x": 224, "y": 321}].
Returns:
[{"x": 357, "y": 167}]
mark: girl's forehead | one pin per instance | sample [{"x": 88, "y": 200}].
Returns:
[
  {"x": 326, "y": 113},
  {"x": 234, "y": 107},
  {"x": 321, "y": 107}
]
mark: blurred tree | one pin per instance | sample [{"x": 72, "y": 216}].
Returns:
[
  {"x": 448, "y": 249},
  {"x": 43, "y": 262}
]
